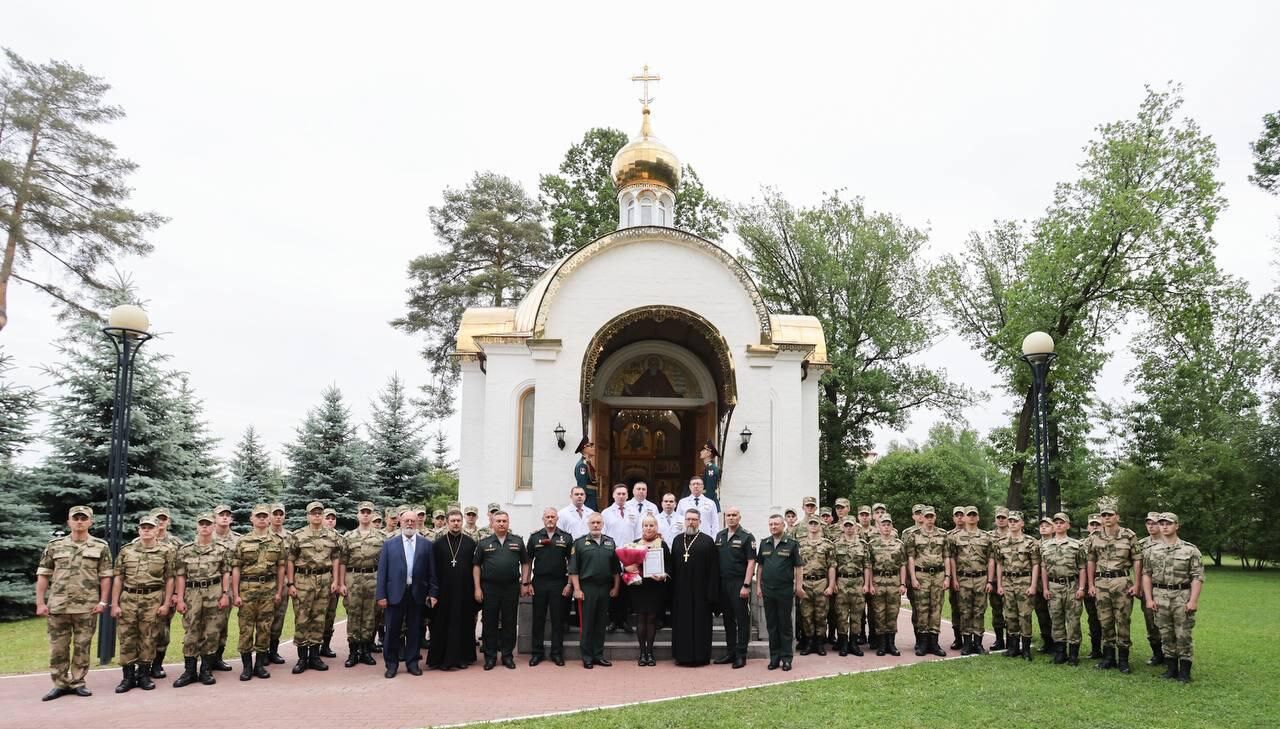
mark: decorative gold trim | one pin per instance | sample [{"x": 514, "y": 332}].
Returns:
[
  {"x": 648, "y": 232},
  {"x": 724, "y": 358}
]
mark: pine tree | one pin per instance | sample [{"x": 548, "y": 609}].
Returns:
[
  {"x": 443, "y": 477},
  {"x": 328, "y": 463},
  {"x": 399, "y": 466},
  {"x": 440, "y": 452},
  {"x": 192, "y": 463},
  {"x": 254, "y": 480},
  {"x": 26, "y": 531}
]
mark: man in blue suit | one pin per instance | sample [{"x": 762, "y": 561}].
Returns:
[{"x": 406, "y": 582}]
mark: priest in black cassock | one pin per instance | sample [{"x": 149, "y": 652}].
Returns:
[
  {"x": 695, "y": 579},
  {"x": 453, "y": 620}
]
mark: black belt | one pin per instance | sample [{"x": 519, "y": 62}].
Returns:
[
  {"x": 1183, "y": 586},
  {"x": 929, "y": 570},
  {"x": 258, "y": 578},
  {"x": 843, "y": 575},
  {"x": 982, "y": 573},
  {"x": 361, "y": 570},
  {"x": 317, "y": 571},
  {"x": 1112, "y": 573},
  {"x": 201, "y": 584},
  {"x": 816, "y": 576},
  {"x": 1017, "y": 574},
  {"x": 1062, "y": 580},
  {"x": 142, "y": 590},
  {"x": 886, "y": 573}
]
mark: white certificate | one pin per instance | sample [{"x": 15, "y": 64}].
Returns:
[{"x": 653, "y": 564}]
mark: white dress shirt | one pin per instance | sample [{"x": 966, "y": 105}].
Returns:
[
  {"x": 620, "y": 524},
  {"x": 410, "y": 544},
  {"x": 638, "y": 509},
  {"x": 707, "y": 508},
  {"x": 573, "y": 522},
  {"x": 670, "y": 526}
]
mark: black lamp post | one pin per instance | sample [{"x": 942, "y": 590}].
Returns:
[
  {"x": 127, "y": 329},
  {"x": 1037, "y": 352}
]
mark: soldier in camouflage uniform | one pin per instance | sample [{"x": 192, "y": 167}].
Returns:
[
  {"x": 866, "y": 530},
  {"x": 1114, "y": 573},
  {"x": 971, "y": 561},
  {"x": 140, "y": 599},
  {"x": 165, "y": 625},
  {"x": 1062, "y": 561},
  {"x": 1172, "y": 577},
  {"x": 1041, "y": 602},
  {"x": 853, "y": 583},
  {"x": 281, "y": 535},
  {"x": 73, "y": 586},
  {"x": 917, "y": 519},
  {"x": 928, "y": 574},
  {"x": 995, "y": 598},
  {"x": 257, "y": 585},
  {"x": 808, "y": 508},
  {"x": 222, "y": 534},
  {"x": 830, "y": 530},
  {"x": 331, "y": 611},
  {"x": 957, "y": 522},
  {"x": 1017, "y": 576},
  {"x": 1090, "y": 602},
  {"x": 469, "y": 526},
  {"x": 313, "y": 554},
  {"x": 818, "y": 555},
  {"x": 203, "y": 584},
  {"x": 487, "y": 529},
  {"x": 360, "y": 549},
  {"x": 789, "y": 522},
  {"x": 889, "y": 571},
  {"x": 1153, "y": 633}
]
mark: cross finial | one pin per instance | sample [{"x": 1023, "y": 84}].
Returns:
[{"x": 645, "y": 77}]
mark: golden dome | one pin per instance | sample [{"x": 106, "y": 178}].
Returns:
[{"x": 646, "y": 160}]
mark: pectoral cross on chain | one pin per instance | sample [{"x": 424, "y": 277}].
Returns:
[{"x": 453, "y": 563}]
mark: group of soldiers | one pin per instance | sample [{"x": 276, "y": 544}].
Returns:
[
  {"x": 846, "y": 567},
  {"x": 861, "y": 563}
]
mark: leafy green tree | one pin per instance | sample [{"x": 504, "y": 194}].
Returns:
[
  {"x": 1266, "y": 155},
  {"x": 1129, "y": 236},
  {"x": 494, "y": 248},
  {"x": 63, "y": 188},
  {"x": 951, "y": 468},
  {"x": 396, "y": 449},
  {"x": 861, "y": 273},
  {"x": 23, "y": 538},
  {"x": 328, "y": 463},
  {"x": 254, "y": 480}
]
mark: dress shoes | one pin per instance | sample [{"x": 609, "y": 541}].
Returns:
[
  {"x": 786, "y": 665},
  {"x": 535, "y": 660},
  {"x": 725, "y": 659},
  {"x": 391, "y": 671},
  {"x": 489, "y": 663},
  {"x": 739, "y": 661},
  {"x": 508, "y": 661},
  {"x": 773, "y": 665},
  {"x": 558, "y": 660},
  {"x": 413, "y": 669},
  {"x": 55, "y": 693},
  {"x": 586, "y": 663},
  {"x": 603, "y": 662}
]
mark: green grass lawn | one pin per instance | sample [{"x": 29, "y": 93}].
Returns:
[
  {"x": 26, "y": 643},
  {"x": 1235, "y": 678}
]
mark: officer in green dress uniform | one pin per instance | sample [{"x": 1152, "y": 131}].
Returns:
[
  {"x": 595, "y": 573},
  {"x": 501, "y": 575},
  {"x": 584, "y": 471},
  {"x": 779, "y": 583}
]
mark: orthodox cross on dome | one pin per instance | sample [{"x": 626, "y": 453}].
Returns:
[{"x": 645, "y": 77}]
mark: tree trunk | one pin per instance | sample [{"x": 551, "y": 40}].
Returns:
[
  {"x": 1023, "y": 434},
  {"x": 21, "y": 194}
]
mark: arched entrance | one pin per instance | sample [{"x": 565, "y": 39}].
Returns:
[{"x": 657, "y": 382}]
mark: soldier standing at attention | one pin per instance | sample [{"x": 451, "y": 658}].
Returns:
[
  {"x": 799, "y": 532},
  {"x": 331, "y": 611},
  {"x": 257, "y": 586},
  {"x": 312, "y": 576},
  {"x": 281, "y": 535},
  {"x": 973, "y": 574},
  {"x": 501, "y": 574},
  {"x": 1172, "y": 579},
  {"x": 1114, "y": 570},
  {"x": 927, "y": 570},
  {"x": 203, "y": 583},
  {"x": 73, "y": 587},
  {"x": 853, "y": 583},
  {"x": 1090, "y": 602},
  {"x": 889, "y": 568},
  {"x": 817, "y": 554},
  {"x": 222, "y": 534},
  {"x": 548, "y": 551},
  {"x": 779, "y": 581},
  {"x": 866, "y": 530},
  {"x": 594, "y": 571},
  {"x": 1041, "y": 603},
  {"x": 469, "y": 526},
  {"x": 1017, "y": 575},
  {"x": 360, "y": 549},
  {"x": 1063, "y": 561},
  {"x": 917, "y": 518},
  {"x": 957, "y": 521},
  {"x": 995, "y": 598},
  {"x": 736, "y": 548},
  {"x": 584, "y": 474},
  {"x": 1153, "y": 538},
  {"x": 163, "y": 627},
  {"x": 140, "y": 599}
]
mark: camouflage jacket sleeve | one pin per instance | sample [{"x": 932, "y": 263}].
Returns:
[{"x": 180, "y": 561}]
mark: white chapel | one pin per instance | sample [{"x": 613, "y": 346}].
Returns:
[{"x": 649, "y": 341}]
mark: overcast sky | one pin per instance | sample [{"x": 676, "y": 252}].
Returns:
[{"x": 297, "y": 147}]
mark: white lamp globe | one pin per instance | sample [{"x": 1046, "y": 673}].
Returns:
[
  {"x": 128, "y": 316},
  {"x": 1037, "y": 345}
]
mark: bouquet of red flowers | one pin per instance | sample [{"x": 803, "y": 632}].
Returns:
[{"x": 632, "y": 556}]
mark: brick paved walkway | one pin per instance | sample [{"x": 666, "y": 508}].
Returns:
[{"x": 361, "y": 698}]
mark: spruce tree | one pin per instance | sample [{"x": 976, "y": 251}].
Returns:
[
  {"x": 399, "y": 467},
  {"x": 253, "y": 478},
  {"x": 26, "y": 531},
  {"x": 328, "y": 463}
]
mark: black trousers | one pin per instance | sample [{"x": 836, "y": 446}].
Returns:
[
  {"x": 1043, "y": 618},
  {"x": 548, "y": 600},
  {"x": 777, "y": 620},
  {"x": 403, "y": 625},
  {"x": 501, "y": 599},
  {"x": 737, "y": 617}
]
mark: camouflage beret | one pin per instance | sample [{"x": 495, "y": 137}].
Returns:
[
  {"x": 842, "y": 501},
  {"x": 809, "y": 501},
  {"x": 928, "y": 511},
  {"x": 494, "y": 506},
  {"x": 864, "y": 509},
  {"x": 471, "y": 510},
  {"x": 147, "y": 520},
  {"x": 314, "y": 505},
  {"x": 1153, "y": 516},
  {"x": 879, "y": 506},
  {"x": 917, "y": 509},
  {"x": 1169, "y": 516},
  {"x": 261, "y": 509},
  {"x": 366, "y": 505},
  {"x": 824, "y": 511},
  {"x": 1107, "y": 505},
  {"x": 207, "y": 516},
  {"x": 1062, "y": 516},
  {"x": 222, "y": 508},
  {"x": 77, "y": 510},
  {"x": 1015, "y": 516},
  {"x": 1002, "y": 511}
]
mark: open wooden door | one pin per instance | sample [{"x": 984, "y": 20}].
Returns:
[{"x": 601, "y": 425}]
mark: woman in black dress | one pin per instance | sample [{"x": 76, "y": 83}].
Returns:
[{"x": 649, "y": 595}]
